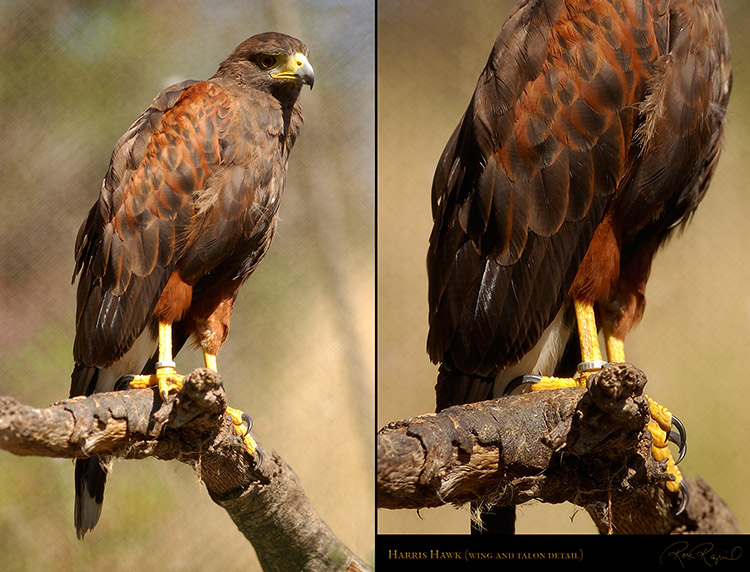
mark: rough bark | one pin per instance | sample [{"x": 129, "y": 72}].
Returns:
[
  {"x": 589, "y": 446},
  {"x": 266, "y": 502}
]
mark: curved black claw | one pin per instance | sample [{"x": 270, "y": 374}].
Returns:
[
  {"x": 529, "y": 379},
  {"x": 248, "y": 421},
  {"x": 261, "y": 458},
  {"x": 679, "y": 438},
  {"x": 684, "y": 498},
  {"x": 124, "y": 382}
]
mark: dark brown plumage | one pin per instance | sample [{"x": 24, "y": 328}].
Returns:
[
  {"x": 592, "y": 135},
  {"x": 187, "y": 210}
]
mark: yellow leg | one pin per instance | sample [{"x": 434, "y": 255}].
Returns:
[
  {"x": 588, "y": 335},
  {"x": 240, "y": 420},
  {"x": 166, "y": 377},
  {"x": 615, "y": 348},
  {"x": 210, "y": 361}
]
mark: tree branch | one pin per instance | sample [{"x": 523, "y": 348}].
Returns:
[
  {"x": 589, "y": 447},
  {"x": 266, "y": 503}
]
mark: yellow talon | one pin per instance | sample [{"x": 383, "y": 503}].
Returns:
[
  {"x": 660, "y": 426},
  {"x": 242, "y": 426},
  {"x": 663, "y": 454},
  {"x": 658, "y": 434},
  {"x": 660, "y": 414},
  {"x": 661, "y": 423},
  {"x": 166, "y": 377},
  {"x": 555, "y": 383},
  {"x": 673, "y": 486},
  {"x": 241, "y": 421}
]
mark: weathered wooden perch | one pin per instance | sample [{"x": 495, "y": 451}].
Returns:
[
  {"x": 266, "y": 503},
  {"x": 590, "y": 447}
]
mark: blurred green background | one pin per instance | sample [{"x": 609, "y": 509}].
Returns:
[
  {"x": 692, "y": 343},
  {"x": 73, "y": 76}
]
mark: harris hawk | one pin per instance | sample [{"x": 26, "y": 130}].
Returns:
[
  {"x": 591, "y": 137},
  {"x": 186, "y": 211}
]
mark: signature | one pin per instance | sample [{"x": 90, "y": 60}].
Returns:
[{"x": 704, "y": 553}]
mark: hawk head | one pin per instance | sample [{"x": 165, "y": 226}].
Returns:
[{"x": 271, "y": 61}]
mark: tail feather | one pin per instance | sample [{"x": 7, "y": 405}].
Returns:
[
  {"x": 496, "y": 521},
  {"x": 83, "y": 380},
  {"x": 90, "y": 478},
  {"x": 91, "y": 474},
  {"x": 456, "y": 388}
]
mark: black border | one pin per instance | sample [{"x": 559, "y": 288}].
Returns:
[{"x": 560, "y": 552}]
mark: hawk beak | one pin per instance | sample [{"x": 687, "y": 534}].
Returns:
[{"x": 297, "y": 68}]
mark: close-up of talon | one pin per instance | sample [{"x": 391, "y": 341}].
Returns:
[
  {"x": 684, "y": 497},
  {"x": 261, "y": 458},
  {"x": 243, "y": 423},
  {"x": 248, "y": 422},
  {"x": 665, "y": 428},
  {"x": 522, "y": 380},
  {"x": 679, "y": 438},
  {"x": 124, "y": 382}
]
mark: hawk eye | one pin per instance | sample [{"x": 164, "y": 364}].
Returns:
[{"x": 266, "y": 61}]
